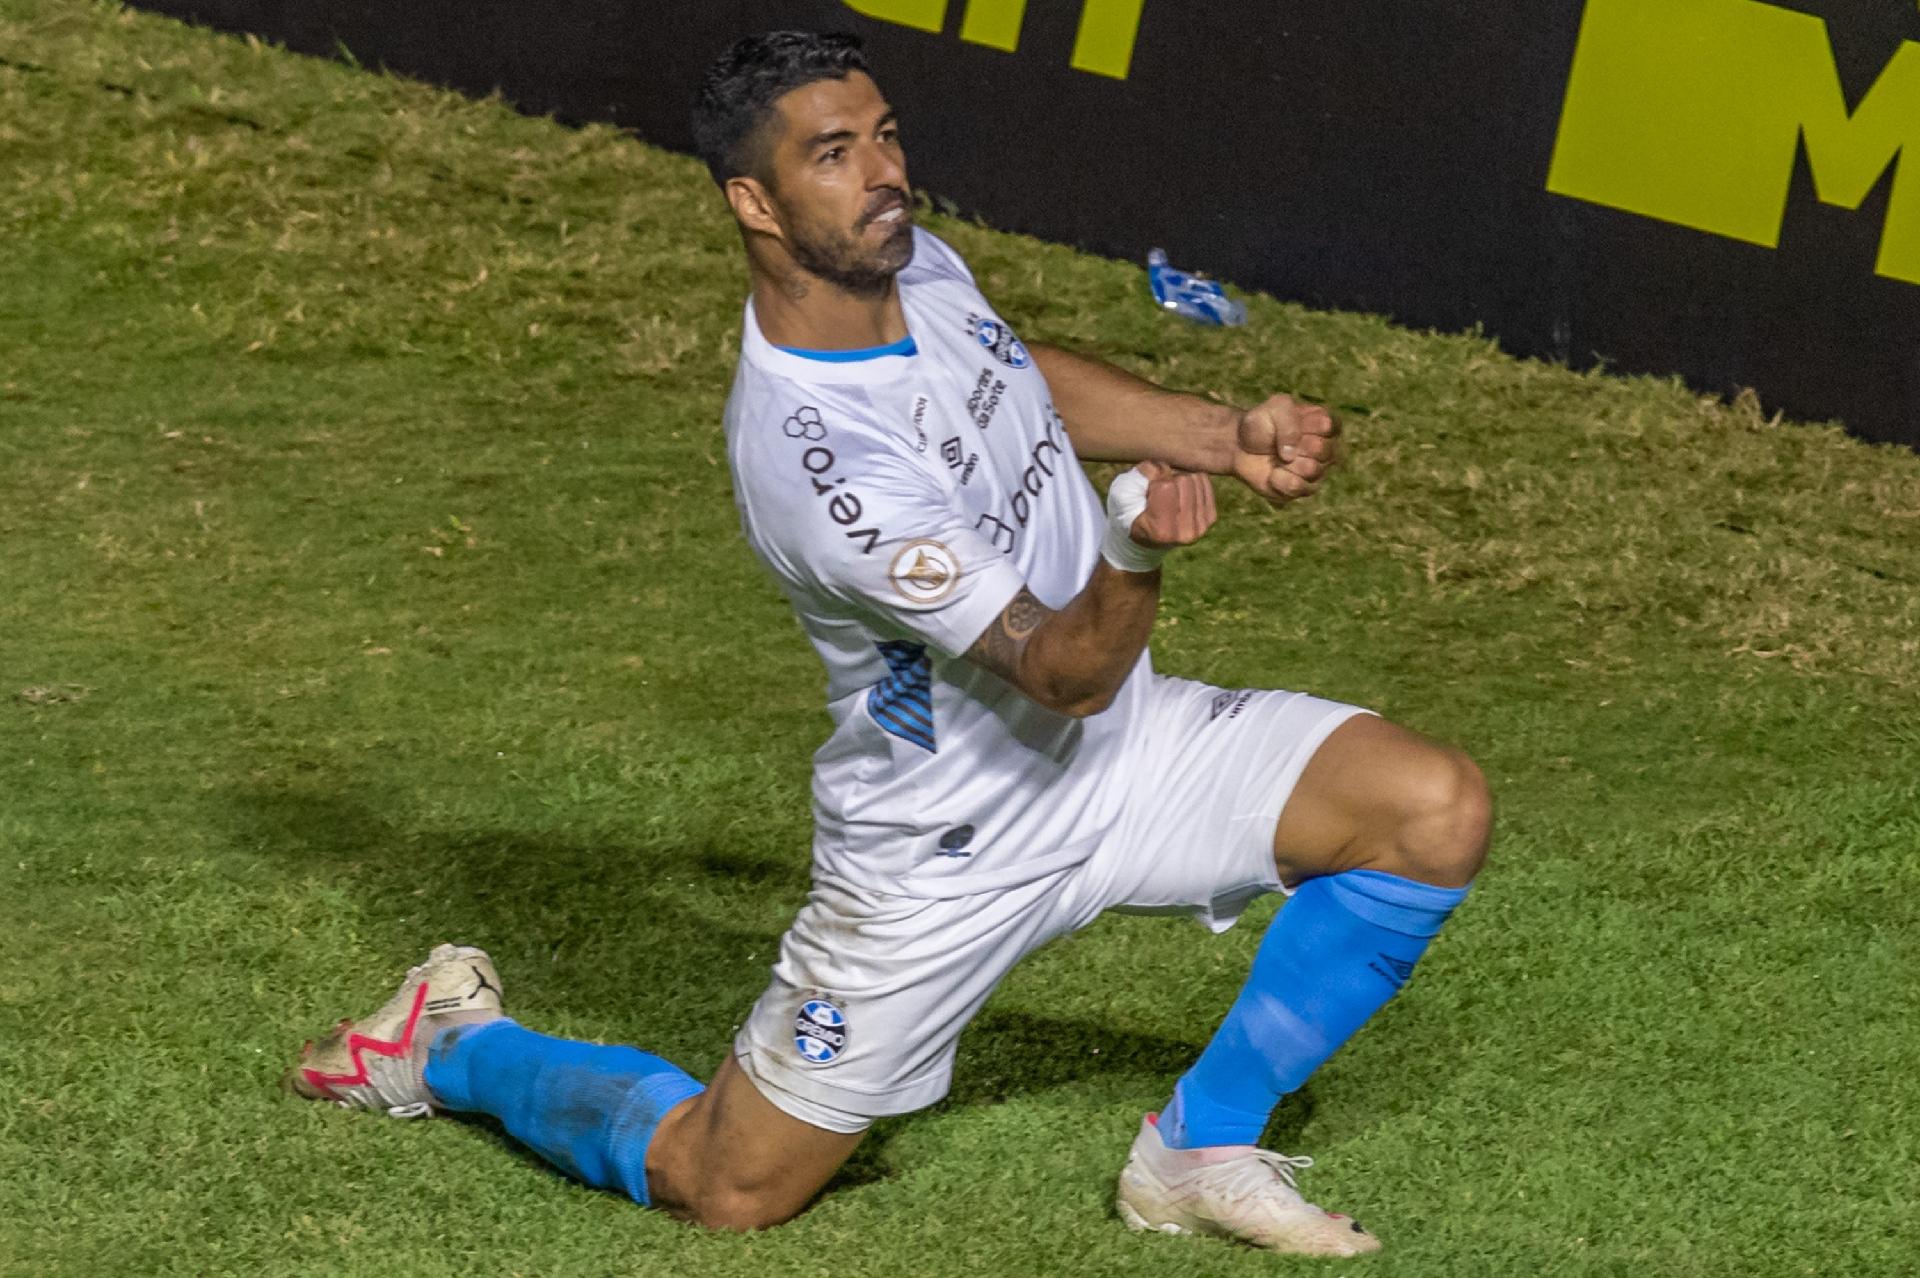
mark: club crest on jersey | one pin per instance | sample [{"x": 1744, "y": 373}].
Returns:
[
  {"x": 820, "y": 1030},
  {"x": 998, "y": 340},
  {"x": 924, "y": 572}
]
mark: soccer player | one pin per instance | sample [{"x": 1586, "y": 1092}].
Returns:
[{"x": 1005, "y": 764}]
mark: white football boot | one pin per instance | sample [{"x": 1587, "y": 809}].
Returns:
[
  {"x": 379, "y": 1063},
  {"x": 1230, "y": 1191}
]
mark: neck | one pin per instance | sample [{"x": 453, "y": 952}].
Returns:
[{"x": 798, "y": 309}]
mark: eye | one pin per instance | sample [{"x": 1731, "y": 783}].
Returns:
[
  {"x": 833, "y": 155},
  {"x": 890, "y": 135}
]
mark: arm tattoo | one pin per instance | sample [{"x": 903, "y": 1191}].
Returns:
[{"x": 999, "y": 647}]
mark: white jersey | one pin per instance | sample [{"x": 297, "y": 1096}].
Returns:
[{"x": 901, "y": 501}]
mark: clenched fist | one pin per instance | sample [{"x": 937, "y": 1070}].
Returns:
[
  {"x": 1179, "y": 507},
  {"x": 1283, "y": 448}
]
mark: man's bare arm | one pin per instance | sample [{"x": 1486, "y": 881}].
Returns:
[
  {"x": 1075, "y": 660},
  {"x": 1111, "y": 415},
  {"x": 1281, "y": 448}
]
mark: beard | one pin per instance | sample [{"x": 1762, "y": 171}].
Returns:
[{"x": 850, "y": 262}]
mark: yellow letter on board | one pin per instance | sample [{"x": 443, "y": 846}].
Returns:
[
  {"x": 1107, "y": 32},
  {"x": 1692, "y": 111},
  {"x": 928, "y": 15},
  {"x": 994, "y": 23}
]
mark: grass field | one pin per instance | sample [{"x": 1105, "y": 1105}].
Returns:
[{"x": 369, "y": 577}]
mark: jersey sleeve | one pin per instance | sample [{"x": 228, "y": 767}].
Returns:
[
  {"x": 865, "y": 525},
  {"x": 934, "y": 259}
]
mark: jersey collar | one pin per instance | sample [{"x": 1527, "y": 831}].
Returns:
[{"x": 757, "y": 350}]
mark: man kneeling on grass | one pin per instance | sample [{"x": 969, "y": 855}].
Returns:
[{"x": 1005, "y": 763}]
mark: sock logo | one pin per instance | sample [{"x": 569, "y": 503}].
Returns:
[
  {"x": 820, "y": 1030},
  {"x": 1395, "y": 971}
]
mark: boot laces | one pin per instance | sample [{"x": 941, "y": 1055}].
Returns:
[{"x": 1254, "y": 1175}]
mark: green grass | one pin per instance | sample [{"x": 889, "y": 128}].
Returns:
[{"x": 368, "y": 577}]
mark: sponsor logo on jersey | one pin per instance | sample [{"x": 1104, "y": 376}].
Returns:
[
  {"x": 985, "y": 400},
  {"x": 954, "y": 842},
  {"x": 955, "y": 455},
  {"x": 1004, "y": 530},
  {"x": 920, "y": 406},
  {"x": 1230, "y": 704},
  {"x": 820, "y": 1030},
  {"x": 843, "y": 506},
  {"x": 998, "y": 341},
  {"x": 924, "y": 572},
  {"x": 805, "y": 424},
  {"x": 1002, "y": 534}
]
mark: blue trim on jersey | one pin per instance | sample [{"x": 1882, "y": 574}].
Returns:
[
  {"x": 905, "y": 346},
  {"x": 902, "y": 703}
]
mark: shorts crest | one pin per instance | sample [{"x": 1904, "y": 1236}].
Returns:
[{"x": 820, "y": 1030}]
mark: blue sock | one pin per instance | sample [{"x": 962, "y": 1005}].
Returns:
[
  {"x": 588, "y": 1110},
  {"x": 1343, "y": 945}
]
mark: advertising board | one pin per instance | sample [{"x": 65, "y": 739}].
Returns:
[{"x": 1718, "y": 189}]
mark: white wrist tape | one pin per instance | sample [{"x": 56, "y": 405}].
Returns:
[{"x": 1126, "y": 500}]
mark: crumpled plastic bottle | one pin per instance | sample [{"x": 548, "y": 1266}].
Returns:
[{"x": 1199, "y": 299}]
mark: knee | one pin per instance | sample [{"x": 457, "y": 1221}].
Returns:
[
  {"x": 738, "y": 1210},
  {"x": 1446, "y": 819}
]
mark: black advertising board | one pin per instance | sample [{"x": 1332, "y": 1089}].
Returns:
[{"x": 1715, "y": 188}]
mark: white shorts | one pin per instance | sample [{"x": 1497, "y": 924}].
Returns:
[{"x": 871, "y": 990}]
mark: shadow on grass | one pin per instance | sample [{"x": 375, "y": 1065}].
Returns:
[
  {"x": 325, "y": 831},
  {"x": 661, "y": 940},
  {"x": 667, "y": 967},
  {"x": 1008, "y": 1054}
]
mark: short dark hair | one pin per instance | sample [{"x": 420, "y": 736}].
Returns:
[{"x": 738, "y": 92}]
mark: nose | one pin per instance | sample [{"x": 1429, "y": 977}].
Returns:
[{"x": 886, "y": 167}]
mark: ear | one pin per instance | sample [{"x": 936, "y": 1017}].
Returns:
[{"x": 753, "y": 206}]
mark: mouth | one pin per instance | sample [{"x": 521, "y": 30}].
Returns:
[{"x": 890, "y": 211}]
